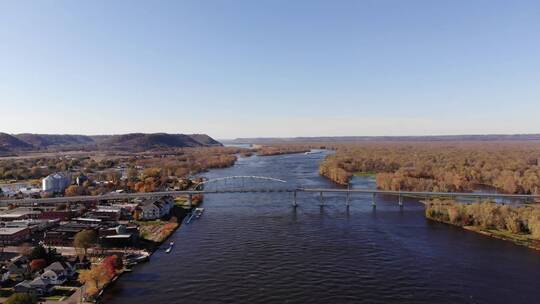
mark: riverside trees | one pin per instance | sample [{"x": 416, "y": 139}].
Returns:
[{"x": 511, "y": 167}]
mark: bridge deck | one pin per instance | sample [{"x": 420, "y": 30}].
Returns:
[{"x": 123, "y": 196}]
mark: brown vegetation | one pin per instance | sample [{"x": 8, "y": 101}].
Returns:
[
  {"x": 511, "y": 167},
  {"x": 99, "y": 275},
  {"x": 156, "y": 231},
  {"x": 517, "y": 223},
  {"x": 281, "y": 149}
]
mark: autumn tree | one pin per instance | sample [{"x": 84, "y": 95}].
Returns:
[
  {"x": 112, "y": 264},
  {"x": 94, "y": 278},
  {"x": 74, "y": 190},
  {"x": 37, "y": 264},
  {"x": 85, "y": 239}
]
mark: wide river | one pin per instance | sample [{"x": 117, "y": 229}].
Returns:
[{"x": 256, "y": 248}]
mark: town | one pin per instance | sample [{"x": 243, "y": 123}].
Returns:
[{"x": 68, "y": 253}]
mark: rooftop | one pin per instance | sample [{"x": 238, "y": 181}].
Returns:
[{"x": 11, "y": 230}]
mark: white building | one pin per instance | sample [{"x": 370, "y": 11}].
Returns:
[{"x": 57, "y": 182}]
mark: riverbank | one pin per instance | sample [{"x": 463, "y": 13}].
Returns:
[
  {"x": 153, "y": 234},
  {"x": 517, "y": 224}
]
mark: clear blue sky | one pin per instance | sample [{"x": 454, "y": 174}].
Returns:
[{"x": 270, "y": 68}]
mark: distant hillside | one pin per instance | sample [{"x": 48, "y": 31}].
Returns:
[
  {"x": 128, "y": 142},
  {"x": 46, "y": 140},
  {"x": 141, "y": 141},
  {"x": 10, "y": 143},
  {"x": 352, "y": 139},
  {"x": 205, "y": 139}
]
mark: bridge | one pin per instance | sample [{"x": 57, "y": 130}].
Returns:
[{"x": 261, "y": 184}]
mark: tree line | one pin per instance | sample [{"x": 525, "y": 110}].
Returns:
[{"x": 510, "y": 167}]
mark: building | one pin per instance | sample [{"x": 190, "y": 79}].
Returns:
[
  {"x": 36, "y": 287},
  {"x": 81, "y": 179},
  {"x": 153, "y": 209},
  {"x": 55, "y": 274},
  {"x": 64, "y": 235},
  {"x": 62, "y": 215},
  {"x": 11, "y": 236},
  {"x": 32, "y": 224},
  {"x": 56, "y": 182},
  {"x": 21, "y": 213},
  {"x": 106, "y": 213}
]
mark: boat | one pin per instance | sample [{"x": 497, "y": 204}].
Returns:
[
  {"x": 135, "y": 258},
  {"x": 312, "y": 152},
  {"x": 168, "y": 250},
  {"x": 199, "y": 212}
]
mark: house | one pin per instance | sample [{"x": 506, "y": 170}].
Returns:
[
  {"x": 63, "y": 271},
  {"x": 37, "y": 286},
  {"x": 81, "y": 179},
  {"x": 152, "y": 209},
  {"x": 17, "y": 270}
]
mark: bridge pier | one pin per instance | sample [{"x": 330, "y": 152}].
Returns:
[
  {"x": 294, "y": 199},
  {"x": 400, "y": 201},
  {"x": 373, "y": 204},
  {"x": 321, "y": 199},
  {"x": 190, "y": 201},
  {"x": 348, "y": 199}
]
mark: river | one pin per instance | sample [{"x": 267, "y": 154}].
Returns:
[{"x": 256, "y": 248}]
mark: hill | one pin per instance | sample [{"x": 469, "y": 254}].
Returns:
[
  {"x": 127, "y": 142},
  {"x": 46, "y": 140},
  {"x": 205, "y": 140},
  {"x": 9, "y": 143},
  {"x": 142, "y": 141}
]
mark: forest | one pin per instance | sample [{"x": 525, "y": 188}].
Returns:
[
  {"x": 518, "y": 223},
  {"x": 509, "y": 166}
]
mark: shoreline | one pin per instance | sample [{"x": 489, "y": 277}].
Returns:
[
  {"x": 150, "y": 250},
  {"x": 517, "y": 239}
]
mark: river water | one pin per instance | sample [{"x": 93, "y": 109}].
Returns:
[{"x": 256, "y": 248}]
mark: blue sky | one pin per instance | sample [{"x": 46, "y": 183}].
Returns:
[{"x": 270, "y": 68}]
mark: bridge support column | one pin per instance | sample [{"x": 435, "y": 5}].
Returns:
[
  {"x": 321, "y": 199},
  {"x": 294, "y": 199},
  {"x": 400, "y": 201},
  {"x": 190, "y": 201},
  {"x": 373, "y": 203},
  {"x": 348, "y": 199}
]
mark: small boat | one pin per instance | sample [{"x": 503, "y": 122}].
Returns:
[
  {"x": 312, "y": 152},
  {"x": 168, "y": 250},
  {"x": 171, "y": 243},
  {"x": 199, "y": 212}
]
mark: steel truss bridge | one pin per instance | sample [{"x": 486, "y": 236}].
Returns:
[{"x": 262, "y": 184}]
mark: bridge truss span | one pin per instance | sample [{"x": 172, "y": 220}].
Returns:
[{"x": 244, "y": 183}]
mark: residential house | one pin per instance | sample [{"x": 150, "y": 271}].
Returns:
[
  {"x": 17, "y": 270},
  {"x": 55, "y": 274},
  {"x": 37, "y": 286},
  {"x": 58, "y": 272}
]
